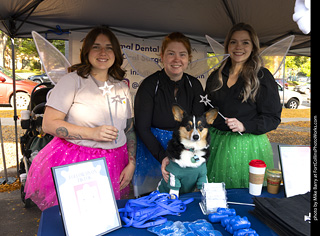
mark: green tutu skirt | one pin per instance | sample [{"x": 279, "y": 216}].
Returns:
[{"x": 230, "y": 154}]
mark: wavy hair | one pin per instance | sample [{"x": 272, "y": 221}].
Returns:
[
  {"x": 251, "y": 67},
  {"x": 84, "y": 67}
]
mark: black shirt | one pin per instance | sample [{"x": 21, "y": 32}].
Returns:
[
  {"x": 153, "y": 106},
  {"x": 258, "y": 117}
]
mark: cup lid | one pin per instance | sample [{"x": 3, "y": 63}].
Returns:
[
  {"x": 257, "y": 163},
  {"x": 274, "y": 171}
]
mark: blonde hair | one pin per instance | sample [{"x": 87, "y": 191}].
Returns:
[{"x": 251, "y": 67}]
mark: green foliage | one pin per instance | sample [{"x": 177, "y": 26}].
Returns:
[
  {"x": 59, "y": 44},
  {"x": 26, "y": 49},
  {"x": 300, "y": 65},
  {"x": 26, "y": 46}
]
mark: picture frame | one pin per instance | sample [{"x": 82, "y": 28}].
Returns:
[
  {"x": 86, "y": 199},
  {"x": 295, "y": 161}
]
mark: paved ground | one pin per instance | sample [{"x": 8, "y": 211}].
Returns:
[{"x": 14, "y": 218}]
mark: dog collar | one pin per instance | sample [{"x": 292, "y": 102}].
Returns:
[{"x": 190, "y": 149}]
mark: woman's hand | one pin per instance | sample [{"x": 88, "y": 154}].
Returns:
[
  {"x": 235, "y": 125},
  {"x": 54, "y": 123},
  {"x": 165, "y": 173},
  {"x": 126, "y": 175},
  {"x": 105, "y": 133}
]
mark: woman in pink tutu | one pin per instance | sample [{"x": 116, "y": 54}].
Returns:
[{"x": 89, "y": 112}]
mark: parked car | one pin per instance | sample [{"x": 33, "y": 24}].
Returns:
[
  {"x": 303, "y": 88},
  {"x": 292, "y": 99},
  {"x": 280, "y": 81},
  {"x": 39, "y": 78},
  {"x": 24, "y": 88}
]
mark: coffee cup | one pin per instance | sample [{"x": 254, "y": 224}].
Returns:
[
  {"x": 273, "y": 180},
  {"x": 257, "y": 169},
  {"x": 25, "y": 119},
  {"x": 23, "y": 178}
]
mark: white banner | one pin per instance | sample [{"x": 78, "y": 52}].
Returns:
[{"x": 148, "y": 47}]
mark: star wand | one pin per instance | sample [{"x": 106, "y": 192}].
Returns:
[
  {"x": 106, "y": 91},
  {"x": 206, "y": 101}
]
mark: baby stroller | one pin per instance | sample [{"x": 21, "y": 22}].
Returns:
[{"x": 33, "y": 139}]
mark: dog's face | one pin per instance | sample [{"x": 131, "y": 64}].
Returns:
[{"x": 194, "y": 128}]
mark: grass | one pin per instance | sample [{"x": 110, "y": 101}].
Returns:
[
  {"x": 9, "y": 113},
  {"x": 290, "y": 137},
  {"x": 292, "y": 113},
  {"x": 286, "y": 133},
  {"x": 286, "y": 113}
]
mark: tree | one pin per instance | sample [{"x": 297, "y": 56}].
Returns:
[
  {"x": 26, "y": 54},
  {"x": 299, "y": 65},
  {"x": 3, "y": 43}
]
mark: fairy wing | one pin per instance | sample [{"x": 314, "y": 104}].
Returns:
[
  {"x": 54, "y": 62},
  {"x": 204, "y": 65},
  {"x": 201, "y": 66},
  {"x": 274, "y": 55},
  {"x": 141, "y": 63},
  {"x": 215, "y": 46}
]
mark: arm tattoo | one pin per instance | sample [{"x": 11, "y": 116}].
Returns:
[{"x": 62, "y": 132}]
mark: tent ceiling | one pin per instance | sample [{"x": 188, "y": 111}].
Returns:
[{"x": 272, "y": 19}]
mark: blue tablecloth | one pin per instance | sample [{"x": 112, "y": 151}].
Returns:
[{"x": 51, "y": 221}]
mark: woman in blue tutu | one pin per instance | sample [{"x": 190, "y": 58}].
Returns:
[
  {"x": 247, "y": 95},
  {"x": 154, "y": 121}
]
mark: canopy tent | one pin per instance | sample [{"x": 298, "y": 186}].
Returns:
[{"x": 272, "y": 19}]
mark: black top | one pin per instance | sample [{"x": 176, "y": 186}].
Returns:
[
  {"x": 258, "y": 117},
  {"x": 153, "y": 106}
]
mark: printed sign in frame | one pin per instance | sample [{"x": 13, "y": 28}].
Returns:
[
  {"x": 86, "y": 199},
  {"x": 295, "y": 165}
]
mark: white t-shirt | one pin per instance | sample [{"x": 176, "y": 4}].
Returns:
[{"x": 85, "y": 105}]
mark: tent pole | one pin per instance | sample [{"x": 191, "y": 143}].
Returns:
[
  {"x": 3, "y": 154},
  {"x": 283, "y": 78},
  {"x": 15, "y": 117}
]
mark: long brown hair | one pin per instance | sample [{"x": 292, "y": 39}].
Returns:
[
  {"x": 251, "y": 67},
  {"x": 84, "y": 67}
]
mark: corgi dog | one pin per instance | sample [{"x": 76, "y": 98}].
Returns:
[{"x": 188, "y": 151}]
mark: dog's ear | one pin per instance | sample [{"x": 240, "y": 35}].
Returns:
[
  {"x": 178, "y": 112},
  {"x": 211, "y": 115}
]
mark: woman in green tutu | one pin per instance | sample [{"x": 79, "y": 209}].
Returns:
[{"x": 247, "y": 95}]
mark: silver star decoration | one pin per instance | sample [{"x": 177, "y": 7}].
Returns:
[
  {"x": 205, "y": 100},
  {"x": 117, "y": 98},
  {"x": 106, "y": 88}
]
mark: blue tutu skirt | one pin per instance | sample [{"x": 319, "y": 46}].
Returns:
[{"x": 148, "y": 170}]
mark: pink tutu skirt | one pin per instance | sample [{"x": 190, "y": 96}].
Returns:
[{"x": 40, "y": 186}]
